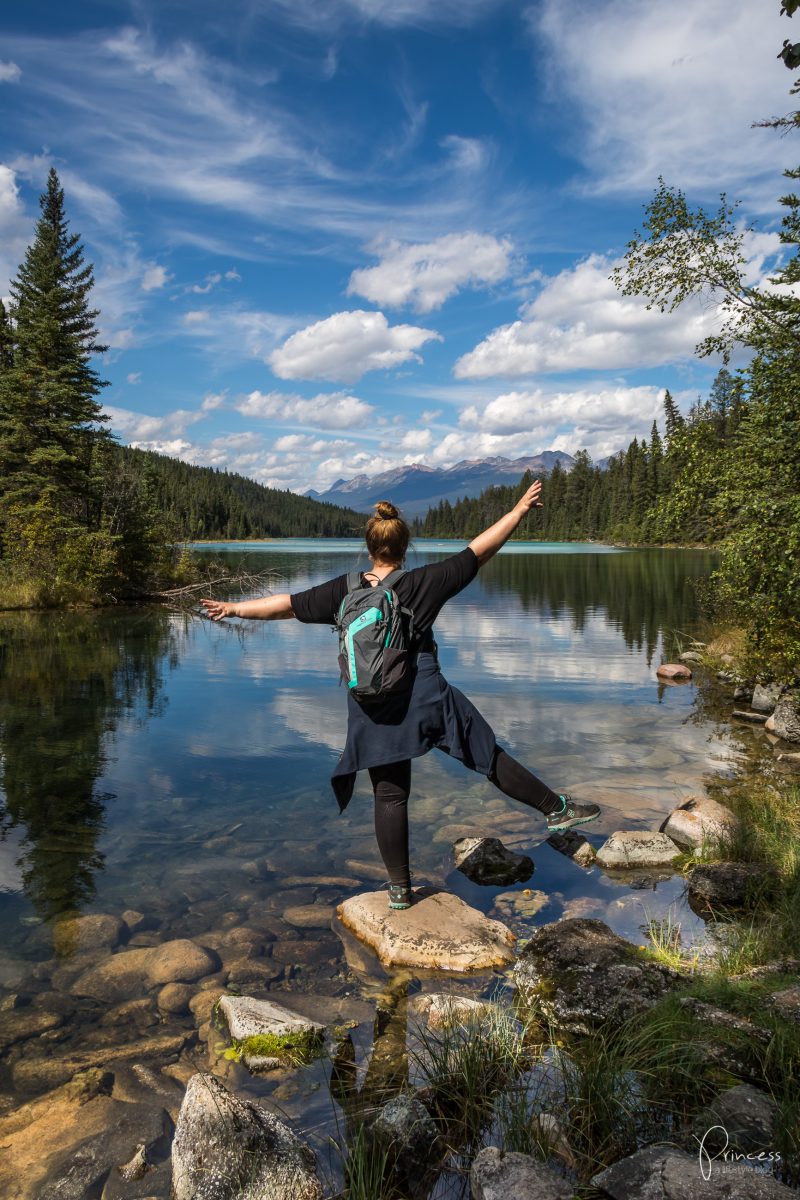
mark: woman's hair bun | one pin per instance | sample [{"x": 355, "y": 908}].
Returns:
[{"x": 386, "y": 511}]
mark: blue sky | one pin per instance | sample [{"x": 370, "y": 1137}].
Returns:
[{"x": 333, "y": 236}]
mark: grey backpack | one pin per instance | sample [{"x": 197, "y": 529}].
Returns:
[{"x": 376, "y": 634}]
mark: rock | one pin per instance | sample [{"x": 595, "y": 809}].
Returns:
[
  {"x": 790, "y": 757},
  {"x": 741, "y": 1119},
  {"x": 309, "y": 916},
  {"x": 36, "y": 1074},
  {"x": 174, "y": 998},
  {"x": 523, "y": 905},
  {"x": 628, "y": 849},
  {"x": 674, "y": 671},
  {"x": 440, "y": 1009},
  {"x": 487, "y": 861},
  {"x": 454, "y": 831},
  {"x": 786, "y": 718},
  {"x": 786, "y": 1003},
  {"x": 728, "y": 885},
  {"x": 573, "y": 845},
  {"x": 365, "y": 870},
  {"x": 202, "y": 1003},
  {"x": 699, "y": 819},
  {"x": 181, "y": 961},
  {"x": 581, "y": 974},
  {"x": 138, "y": 1012},
  {"x": 17, "y": 1025},
  {"x": 226, "y": 1148},
  {"x": 743, "y": 693},
  {"x": 96, "y": 931},
  {"x": 664, "y": 1173},
  {"x": 691, "y": 656},
  {"x": 438, "y": 932},
  {"x": 248, "y": 1018},
  {"x": 498, "y": 1175},
  {"x": 766, "y": 696},
  {"x": 248, "y": 971},
  {"x": 259, "y": 1064},
  {"x": 405, "y": 1128},
  {"x": 115, "y": 978},
  {"x": 137, "y": 922},
  {"x": 751, "y": 718}
]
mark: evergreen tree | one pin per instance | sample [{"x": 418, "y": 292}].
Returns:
[
  {"x": 673, "y": 419},
  {"x": 6, "y": 340},
  {"x": 49, "y": 417}
]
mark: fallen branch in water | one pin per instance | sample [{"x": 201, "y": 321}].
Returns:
[{"x": 183, "y": 598}]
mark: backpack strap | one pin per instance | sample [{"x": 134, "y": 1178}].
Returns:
[
  {"x": 392, "y": 577},
  {"x": 353, "y": 580}
]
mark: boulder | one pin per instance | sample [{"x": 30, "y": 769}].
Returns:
[
  {"x": 439, "y": 932},
  {"x": 674, "y": 672},
  {"x": 741, "y": 1119},
  {"x": 441, "y": 1009},
  {"x": 580, "y": 974},
  {"x": 728, "y": 885},
  {"x": 249, "y": 1018},
  {"x": 500, "y": 1175},
  {"x": 766, "y": 696},
  {"x": 691, "y": 656},
  {"x": 406, "y": 1130},
  {"x": 181, "y": 961},
  {"x": 699, "y": 819},
  {"x": 486, "y": 860},
  {"x": 96, "y": 931},
  {"x": 637, "y": 848},
  {"x": 664, "y": 1173},
  {"x": 786, "y": 1003},
  {"x": 226, "y": 1148},
  {"x": 174, "y": 998},
  {"x": 786, "y": 718}
]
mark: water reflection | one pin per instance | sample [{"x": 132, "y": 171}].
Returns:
[{"x": 66, "y": 679}]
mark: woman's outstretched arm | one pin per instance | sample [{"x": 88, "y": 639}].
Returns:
[
  {"x": 486, "y": 544},
  {"x": 270, "y": 608}
]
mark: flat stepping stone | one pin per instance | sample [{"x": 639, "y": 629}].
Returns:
[
  {"x": 634, "y": 848},
  {"x": 675, "y": 672},
  {"x": 248, "y": 1018},
  {"x": 439, "y": 932}
]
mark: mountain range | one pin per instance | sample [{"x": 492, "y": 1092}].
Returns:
[{"x": 415, "y": 488}]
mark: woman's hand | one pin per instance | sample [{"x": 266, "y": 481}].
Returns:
[
  {"x": 530, "y": 499},
  {"x": 217, "y": 610}
]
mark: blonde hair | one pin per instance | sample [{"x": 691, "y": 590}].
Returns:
[{"x": 387, "y": 534}]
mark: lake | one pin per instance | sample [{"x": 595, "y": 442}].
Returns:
[{"x": 163, "y": 764}]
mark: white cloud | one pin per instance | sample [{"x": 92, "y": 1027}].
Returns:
[
  {"x": 9, "y": 72},
  {"x": 580, "y": 320},
  {"x": 15, "y": 227},
  {"x": 211, "y": 281},
  {"x": 336, "y": 410},
  {"x": 312, "y": 15},
  {"x": 430, "y": 415},
  {"x": 235, "y": 334},
  {"x": 154, "y": 278},
  {"x": 416, "y": 440},
  {"x": 135, "y": 427},
  {"x": 233, "y": 276},
  {"x": 667, "y": 89},
  {"x": 466, "y": 154},
  {"x": 426, "y": 274},
  {"x": 120, "y": 339},
  {"x": 346, "y": 346},
  {"x": 213, "y": 400},
  {"x": 134, "y": 377}
]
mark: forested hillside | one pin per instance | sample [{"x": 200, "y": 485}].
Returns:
[
  {"x": 205, "y": 503},
  {"x": 634, "y": 498}
]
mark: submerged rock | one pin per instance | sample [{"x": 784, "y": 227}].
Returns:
[
  {"x": 441, "y": 1009},
  {"x": 580, "y": 974},
  {"x": 438, "y": 932},
  {"x": 699, "y": 819},
  {"x": 629, "y": 849},
  {"x": 405, "y": 1128},
  {"x": 181, "y": 961},
  {"x": 664, "y": 1173},
  {"x": 226, "y": 1148},
  {"x": 96, "y": 931},
  {"x": 500, "y": 1175},
  {"x": 486, "y": 860},
  {"x": 117, "y": 978}
]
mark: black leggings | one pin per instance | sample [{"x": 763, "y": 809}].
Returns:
[{"x": 392, "y": 785}]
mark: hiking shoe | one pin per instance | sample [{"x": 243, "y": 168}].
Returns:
[
  {"x": 570, "y": 815},
  {"x": 399, "y": 896}
]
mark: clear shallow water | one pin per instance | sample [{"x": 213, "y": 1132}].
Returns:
[{"x": 170, "y": 765}]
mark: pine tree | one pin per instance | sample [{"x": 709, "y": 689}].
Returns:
[
  {"x": 6, "y": 340},
  {"x": 673, "y": 420},
  {"x": 50, "y": 420}
]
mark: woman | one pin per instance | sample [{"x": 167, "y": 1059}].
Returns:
[{"x": 384, "y": 736}]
